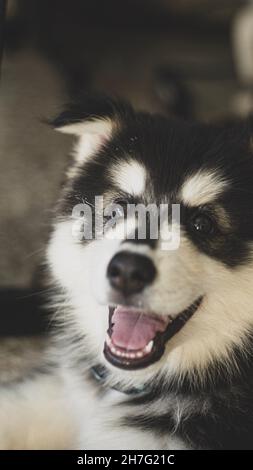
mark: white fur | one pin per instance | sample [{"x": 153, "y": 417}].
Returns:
[
  {"x": 221, "y": 321},
  {"x": 129, "y": 176},
  {"x": 91, "y": 136},
  {"x": 35, "y": 414},
  {"x": 99, "y": 419},
  {"x": 183, "y": 275},
  {"x": 201, "y": 188}
]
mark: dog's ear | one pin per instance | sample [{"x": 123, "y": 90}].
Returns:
[{"x": 93, "y": 120}]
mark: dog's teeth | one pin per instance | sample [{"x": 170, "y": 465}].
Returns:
[
  {"x": 129, "y": 355},
  {"x": 149, "y": 346}
]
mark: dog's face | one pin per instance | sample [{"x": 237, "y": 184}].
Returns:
[{"x": 141, "y": 308}]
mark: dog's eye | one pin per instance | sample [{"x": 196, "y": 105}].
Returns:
[
  {"x": 120, "y": 207},
  {"x": 118, "y": 212},
  {"x": 202, "y": 224}
]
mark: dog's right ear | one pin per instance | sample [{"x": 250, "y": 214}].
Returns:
[{"x": 93, "y": 121}]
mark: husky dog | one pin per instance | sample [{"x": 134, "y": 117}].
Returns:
[{"x": 155, "y": 345}]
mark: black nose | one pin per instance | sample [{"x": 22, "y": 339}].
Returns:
[{"x": 129, "y": 272}]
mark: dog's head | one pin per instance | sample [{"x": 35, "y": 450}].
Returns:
[{"x": 143, "y": 304}]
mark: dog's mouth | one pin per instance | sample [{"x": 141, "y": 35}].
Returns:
[{"x": 136, "y": 338}]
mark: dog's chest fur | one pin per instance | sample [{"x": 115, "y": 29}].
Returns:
[
  {"x": 165, "y": 416},
  {"x": 111, "y": 419}
]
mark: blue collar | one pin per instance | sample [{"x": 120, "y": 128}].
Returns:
[{"x": 100, "y": 374}]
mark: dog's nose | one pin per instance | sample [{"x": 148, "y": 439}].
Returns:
[{"x": 130, "y": 272}]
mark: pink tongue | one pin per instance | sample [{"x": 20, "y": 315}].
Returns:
[{"x": 133, "y": 330}]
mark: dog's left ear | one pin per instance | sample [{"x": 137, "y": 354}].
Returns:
[{"x": 93, "y": 120}]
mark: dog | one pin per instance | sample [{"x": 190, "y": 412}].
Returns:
[
  {"x": 153, "y": 345},
  {"x": 156, "y": 345}
]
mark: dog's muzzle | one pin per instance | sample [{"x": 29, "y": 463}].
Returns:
[{"x": 136, "y": 338}]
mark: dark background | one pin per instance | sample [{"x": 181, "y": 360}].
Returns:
[{"x": 171, "y": 56}]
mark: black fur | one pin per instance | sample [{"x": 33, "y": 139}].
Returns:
[
  {"x": 222, "y": 407},
  {"x": 171, "y": 150},
  {"x": 221, "y": 416}
]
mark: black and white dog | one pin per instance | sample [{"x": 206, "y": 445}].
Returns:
[{"x": 155, "y": 345}]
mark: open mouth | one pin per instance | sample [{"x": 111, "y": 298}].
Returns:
[{"x": 136, "y": 339}]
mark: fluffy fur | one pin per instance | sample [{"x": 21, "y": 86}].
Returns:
[
  {"x": 199, "y": 394},
  {"x": 35, "y": 411}
]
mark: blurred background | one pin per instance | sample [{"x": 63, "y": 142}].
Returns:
[{"x": 192, "y": 58}]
